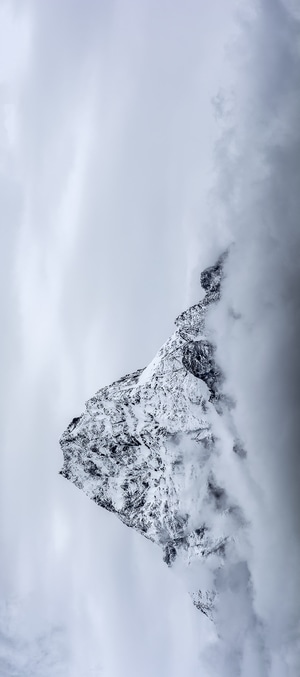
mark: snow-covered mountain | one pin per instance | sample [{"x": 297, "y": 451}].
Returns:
[{"x": 146, "y": 449}]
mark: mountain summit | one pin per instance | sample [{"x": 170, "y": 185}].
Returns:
[{"x": 145, "y": 448}]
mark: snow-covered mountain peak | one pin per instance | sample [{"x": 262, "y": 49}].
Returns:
[{"x": 144, "y": 446}]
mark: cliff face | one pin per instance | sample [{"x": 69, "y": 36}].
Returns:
[{"x": 143, "y": 449}]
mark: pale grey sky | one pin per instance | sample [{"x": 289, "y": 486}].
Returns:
[{"x": 107, "y": 134}]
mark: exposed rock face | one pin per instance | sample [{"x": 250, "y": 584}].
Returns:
[{"x": 143, "y": 447}]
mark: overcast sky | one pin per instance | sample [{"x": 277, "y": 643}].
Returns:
[
  {"x": 107, "y": 134},
  {"x": 138, "y": 139}
]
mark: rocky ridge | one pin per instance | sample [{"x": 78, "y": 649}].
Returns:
[{"x": 144, "y": 446}]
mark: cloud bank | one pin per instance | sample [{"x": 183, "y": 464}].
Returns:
[{"x": 256, "y": 327}]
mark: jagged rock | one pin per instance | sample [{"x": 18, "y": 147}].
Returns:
[
  {"x": 199, "y": 358},
  {"x": 143, "y": 447}
]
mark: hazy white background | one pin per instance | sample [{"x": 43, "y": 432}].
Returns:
[{"x": 116, "y": 120}]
